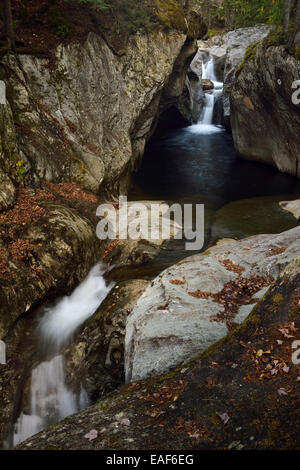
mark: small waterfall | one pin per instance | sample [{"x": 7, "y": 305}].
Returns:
[
  {"x": 205, "y": 124},
  {"x": 208, "y": 113},
  {"x": 50, "y": 398}
]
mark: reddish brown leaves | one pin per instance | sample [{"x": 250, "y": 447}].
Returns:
[
  {"x": 164, "y": 395},
  {"x": 191, "y": 428},
  {"x": 240, "y": 292},
  {"x": 71, "y": 191},
  {"x": 232, "y": 266},
  {"x": 27, "y": 207},
  {"x": 110, "y": 248},
  {"x": 201, "y": 295},
  {"x": 92, "y": 149},
  {"x": 234, "y": 294},
  {"x": 276, "y": 251},
  {"x": 163, "y": 307},
  {"x": 20, "y": 249},
  {"x": 176, "y": 282}
]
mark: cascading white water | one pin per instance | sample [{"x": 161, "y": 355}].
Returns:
[
  {"x": 50, "y": 398},
  {"x": 205, "y": 123}
]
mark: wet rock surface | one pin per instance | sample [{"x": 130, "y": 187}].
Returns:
[
  {"x": 252, "y": 216},
  {"x": 243, "y": 393}
]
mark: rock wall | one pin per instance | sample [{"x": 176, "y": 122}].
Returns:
[
  {"x": 86, "y": 117},
  {"x": 8, "y": 157},
  {"x": 265, "y": 122},
  {"x": 237, "y": 43}
]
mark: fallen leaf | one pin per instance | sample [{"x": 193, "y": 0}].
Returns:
[
  {"x": 224, "y": 417},
  {"x": 93, "y": 434},
  {"x": 125, "y": 422}
]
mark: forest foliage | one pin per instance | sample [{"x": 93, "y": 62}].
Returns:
[{"x": 244, "y": 13}]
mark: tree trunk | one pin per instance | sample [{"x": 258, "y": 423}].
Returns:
[
  {"x": 297, "y": 25},
  {"x": 287, "y": 17},
  {"x": 8, "y": 23}
]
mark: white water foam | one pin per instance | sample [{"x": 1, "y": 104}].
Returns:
[
  {"x": 205, "y": 124},
  {"x": 50, "y": 398},
  {"x": 60, "y": 322}
]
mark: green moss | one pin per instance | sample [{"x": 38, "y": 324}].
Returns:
[
  {"x": 21, "y": 169},
  {"x": 214, "y": 419},
  {"x": 249, "y": 55},
  {"x": 275, "y": 38},
  {"x": 294, "y": 313},
  {"x": 171, "y": 15},
  {"x": 60, "y": 22},
  {"x": 296, "y": 53},
  {"x": 277, "y": 299}
]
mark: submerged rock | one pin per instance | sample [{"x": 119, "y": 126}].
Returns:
[
  {"x": 198, "y": 301},
  {"x": 207, "y": 84},
  {"x": 251, "y": 217}
]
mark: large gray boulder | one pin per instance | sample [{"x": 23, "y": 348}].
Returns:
[
  {"x": 195, "y": 303},
  {"x": 192, "y": 99},
  {"x": 265, "y": 120},
  {"x": 237, "y": 42}
]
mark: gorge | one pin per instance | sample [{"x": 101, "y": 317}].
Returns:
[{"x": 154, "y": 344}]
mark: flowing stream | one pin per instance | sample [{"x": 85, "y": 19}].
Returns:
[
  {"x": 205, "y": 124},
  {"x": 50, "y": 398}
]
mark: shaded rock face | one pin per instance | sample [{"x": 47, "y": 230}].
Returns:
[
  {"x": 264, "y": 120},
  {"x": 8, "y": 157},
  {"x": 192, "y": 99},
  {"x": 248, "y": 380},
  {"x": 185, "y": 310},
  {"x": 236, "y": 44},
  {"x": 228, "y": 51},
  {"x": 86, "y": 118}
]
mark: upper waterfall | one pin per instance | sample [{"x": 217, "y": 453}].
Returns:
[{"x": 205, "y": 124}]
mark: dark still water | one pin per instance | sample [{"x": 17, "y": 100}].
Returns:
[{"x": 200, "y": 163}]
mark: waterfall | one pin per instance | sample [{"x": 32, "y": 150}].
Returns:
[
  {"x": 205, "y": 124},
  {"x": 50, "y": 398}
]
